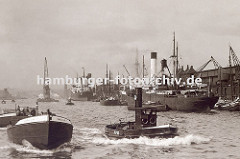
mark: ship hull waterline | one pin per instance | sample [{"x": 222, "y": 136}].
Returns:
[
  {"x": 179, "y": 103},
  {"x": 109, "y": 102},
  {"x": 165, "y": 131}
]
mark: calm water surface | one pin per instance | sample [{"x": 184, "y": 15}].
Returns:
[{"x": 202, "y": 135}]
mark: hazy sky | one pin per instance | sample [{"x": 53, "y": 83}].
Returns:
[{"x": 90, "y": 33}]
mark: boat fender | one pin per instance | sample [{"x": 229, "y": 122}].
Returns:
[
  {"x": 144, "y": 121},
  {"x": 152, "y": 121}
]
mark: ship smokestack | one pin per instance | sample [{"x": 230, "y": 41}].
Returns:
[
  {"x": 138, "y": 104},
  {"x": 153, "y": 64}
]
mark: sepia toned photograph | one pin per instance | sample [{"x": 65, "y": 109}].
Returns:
[{"x": 120, "y": 79}]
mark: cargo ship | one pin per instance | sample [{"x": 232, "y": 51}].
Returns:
[
  {"x": 81, "y": 91},
  {"x": 176, "y": 97},
  {"x": 110, "y": 96},
  {"x": 190, "y": 101}
]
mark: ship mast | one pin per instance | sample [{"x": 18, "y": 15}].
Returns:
[
  {"x": 137, "y": 63},
  {"x": 177, "y": 62},
  {"x": 174, "y": 56},
  {"x": 143, "y": 67},
  {"x": 230, "y": 65}
]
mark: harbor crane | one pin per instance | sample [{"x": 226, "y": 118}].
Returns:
[
  {"x": 126, "y": 70},
  {"x": 233, "y": 59},
  {"x": 215, "y": 63}
]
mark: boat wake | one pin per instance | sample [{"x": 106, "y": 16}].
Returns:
[
  {"x": 187, "y": 140},
  {"x": 27, "y": 150},
  {"x": 95, "y": 136}
]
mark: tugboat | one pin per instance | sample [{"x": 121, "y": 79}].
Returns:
[
  {"x": 69, "y": 102},
  {"x": 145, "y": 124},
  {"x": 46, "y": 131}
]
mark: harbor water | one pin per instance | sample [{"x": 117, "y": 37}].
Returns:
[{"x": 201, "y": 135}]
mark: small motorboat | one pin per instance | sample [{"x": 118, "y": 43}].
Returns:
[
  {"x": 69, "y": 102},
  {"x": 46, "y": 131},
  {"x": 13, "y": 116},
  {"x": 145, "y": 123},
  {"x": 228, "y": 104}
]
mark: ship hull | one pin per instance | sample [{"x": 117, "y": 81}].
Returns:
[
  {"x": 47, "y": 100},
  {"x": 164, "y": 131},
  {"x": 86, "y": 96},
  {"x": 70, "y": 103},
  {"x": 42, "y": 135},
  {"x": 109, "y": 102},
  {"x": 179, "y": 103}
]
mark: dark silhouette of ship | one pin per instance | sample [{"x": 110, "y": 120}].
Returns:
[
  {"x": 82, "y": 91},
  {"x": 110, "y": 97}
]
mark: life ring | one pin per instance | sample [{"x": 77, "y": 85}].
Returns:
[
  {"x": 144, "y": 121},
  {"x": 152, "y": 120}
]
